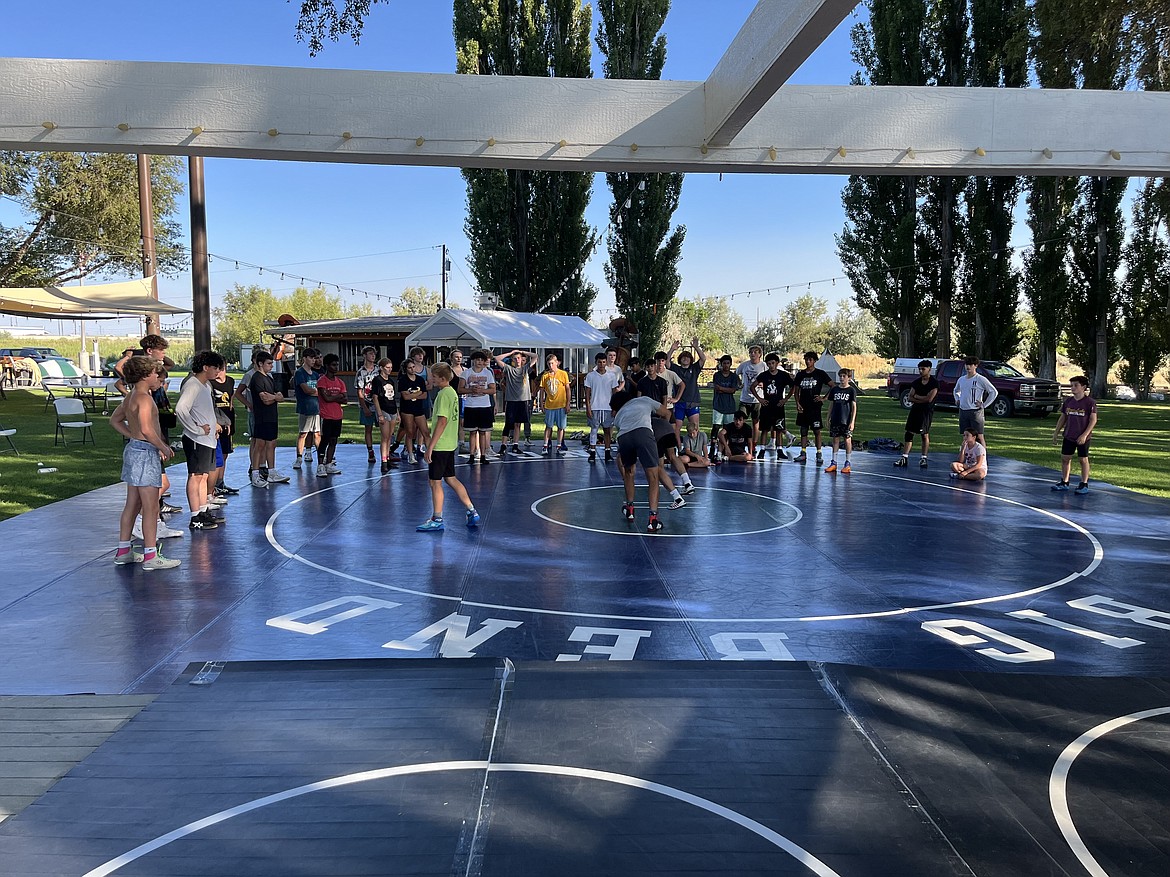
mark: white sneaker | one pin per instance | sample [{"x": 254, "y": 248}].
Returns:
[
  {"x": 258, "y": 480},
  {"x": 333, "y": 469},
  {"x": 275, "y": 476},
  {"x": 297, "y": 464},
  {"x": 410, "y": 457},
  {"x": 217, "y": 501},
  {"x": 160, "y": 562},
  {"x": 322, "y": 472},
  {"x": 164, "y": 531}
]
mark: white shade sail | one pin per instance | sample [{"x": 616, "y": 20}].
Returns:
[{"x": 100, "y": 301}]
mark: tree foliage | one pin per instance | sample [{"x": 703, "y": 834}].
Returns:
[
  {"x": 322, "y": 20},
  {"x": 418, "y": 300},
  {"x": 241, "y": 319},
  {"x": 711, "y": 319},
  {"x": 1143, "y": 337},
  {"x": 82, "y": 216},
  {"x": 643, "y": 249},
  {"x": 527, "y": 229},
  {"x": 805, "y": 324}
]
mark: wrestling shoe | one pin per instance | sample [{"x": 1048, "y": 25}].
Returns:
[
  {"x": 1060, "y": 485},
  {"x": 628, "y": 511},
  {"x": 803, "y": 458},
  {"x": 163, "y": 532},
  {"x": 224, "y": 490},
  {"x": 608, "y": 455},
  {"x": 922, "y": 463},
  {"x": 687, "y": 489},
  {"x": 592, "y": 455},
  {"x": 472, "y": 459},
  {"x": 203, "y": 521},
  {"x": 516, "y": 449},
  {"x": 1082, "y": 489},
  {"x": 483, "y": 459},
  {"x": 160, "y": 562},
  {"x": 128, "y": 558},
  {"x": 562, "y": 448},
  {"x": 902, "y": 462},
  {"x": 275, "y": 476},
  {"x": 431, "y": 525},
  {"x": 259, "y": 480},
  {"x": 760, "y": 453},
  {"x": 472, "y": 519},
  {"x": 218, "y": 501},
  {"x": 167, "y": 509},
  {"x": 846, "y": 469},
  {"x": 653, "y": 525},
  {"x": 820, "y": 459},
  {"x": 370, "y": 458},
  {"x": 832, "y": 467},
  {"x": 547, "y": 452},
  {"x": 677, "y": 503},
  {"x": 299, "y": 462},
  {"x": 385, "y": 467}
]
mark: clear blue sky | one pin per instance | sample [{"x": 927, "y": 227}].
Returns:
[{"x": 743, "y": 232}]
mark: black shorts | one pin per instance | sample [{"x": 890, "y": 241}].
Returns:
[
  {"x": 809, "y": 418},
  {"x": 771, "y": 417},
  {"x": 752, "y": 410},
  {"x": 666, "y": 443},
  {"x": 265, "y": 430},
  {"x": 918, "y": 421},
  {"x": 442, "y": 465},
  {"x": 225, "y": 442},
  {"x": 638, "y": 445},
  {"x": 840, "y": 430},
  {"x": 330, "y": 430},
  {"x": 1069, "y": 447},
  {"x": 479, "y": 418},
  {"x": 200, "y": 458},
  {"x": 516, "y": 413}
]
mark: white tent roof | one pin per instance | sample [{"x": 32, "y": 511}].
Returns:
[
  {"x": 829, "y": 364},
  {"x": 85, "y": 302},
  {"x": 458, "y": 327}
]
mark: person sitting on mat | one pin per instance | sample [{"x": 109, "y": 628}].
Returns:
[{"x": 972, "y": 462}]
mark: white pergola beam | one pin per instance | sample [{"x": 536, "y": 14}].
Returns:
[
  {"x": 777, "y": 38},
  {"x": 519, "y": 122}
]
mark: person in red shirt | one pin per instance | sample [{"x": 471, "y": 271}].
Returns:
[{"x": 331, "y": 395}]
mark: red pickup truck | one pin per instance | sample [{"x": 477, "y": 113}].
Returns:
[{"x": 1017, "y": 392}]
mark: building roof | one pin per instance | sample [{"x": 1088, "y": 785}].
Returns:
[
  {"x": 380, "y": 324},
  {"x": 457, "y": 326}
]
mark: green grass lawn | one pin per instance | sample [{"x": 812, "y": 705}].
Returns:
[{"x": 1128, "y": 446}]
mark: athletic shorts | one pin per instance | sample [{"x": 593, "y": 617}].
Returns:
[
  {"x": 809, "y": 418},
  {"x": 771, "y": 417},
  {"x": 200, "y": 458},
  {"x": 218, "y": 455},
  {"x": 840, "y": 430},
  {"x": 442, "y": 465},
  {"x": 555, "y": 418},
  {"x": 721, "y": 418},
  {"x": 141, "y": 464},
  {"x": 918, "y": 422},
  {"x": 666, "y": 443},
  {"x": 752, "y": 410},
  {"x": 638, "y": 446},
  {"x": 1069, "y": 447},
  {"x": 971, "y": 418},
  {"x": 479, "y": 419},
  {"x": 225, "y": 442},
  {"x": 682, "y": 410},
  {"x": 330, "y": 430},
  {"x": 265, "y": 430},
  {"x": 308, "y": 423},
  {"x": 370, "y": 419},
  {"x": 601, "y": 419},
  {"x": 516, "y": 412}
]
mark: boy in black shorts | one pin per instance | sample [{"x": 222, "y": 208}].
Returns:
[
  {"x": 636, "y": 444},
  {"x": 773, "y": 388},
  {"x": 812, "y": 384},
  {"x": 442, "y": 444},
  {"x": 922, "y": 394},
  {"x": 842, "y": 417}
]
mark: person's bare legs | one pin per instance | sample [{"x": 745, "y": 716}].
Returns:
[
  {"x": 460, "y": 491},
  {"x": 627, "y": 479},
  {"x": 654, "y": 475},
  {"x": 148, "y": 501},
  {"x": 196, "y": 494},
  {"x": 130, "y": 513}
]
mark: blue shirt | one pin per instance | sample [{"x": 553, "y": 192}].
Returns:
[{"x": 306, "y": 404}]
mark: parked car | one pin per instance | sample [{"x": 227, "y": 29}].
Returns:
[
  {"x": 1018, "y": 392},
  {"x": 40, "y": 354}
]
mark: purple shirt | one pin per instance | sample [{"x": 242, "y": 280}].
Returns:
[{"x": 1077, "y": 415}]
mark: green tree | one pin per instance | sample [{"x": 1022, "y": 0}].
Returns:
[
  {"x": 1143, "y": 337},
  {"x": 711, "y": 319},
  {"x": 241, "y": 319},
  {"x": 322, "y": 20},
  {"x": 851, "y": 330},
  {"x": 527, "y": 230},
  {"x": 417, "y": 300},
  {"x": 643, "y": 250},
  {"x": 82, "y": 216}
]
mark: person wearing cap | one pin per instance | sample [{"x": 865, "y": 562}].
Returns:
[{"x": 689, "y": 368}]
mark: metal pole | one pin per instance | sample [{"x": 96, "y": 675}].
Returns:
[
  {"x": 446, "y": 266},
  {"x": 146, "y": 218},
  {"x": 200, "y": 274}
]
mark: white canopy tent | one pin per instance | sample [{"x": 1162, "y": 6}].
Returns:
[{"x": 456, "y": 327}]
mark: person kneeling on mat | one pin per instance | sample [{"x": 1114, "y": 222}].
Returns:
[{"x": 636, "y": 444}]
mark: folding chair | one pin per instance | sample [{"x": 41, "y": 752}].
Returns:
[
  {"x": 71, "y": 415},
  {"x": 7, "y": 435}
]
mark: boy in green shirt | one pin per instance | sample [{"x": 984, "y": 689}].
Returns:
[{"x": 440, "y": 454}]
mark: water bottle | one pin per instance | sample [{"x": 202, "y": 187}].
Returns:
[{"x": 46, "y": 470}]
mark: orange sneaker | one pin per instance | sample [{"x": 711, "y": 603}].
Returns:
[
  {"x": 832, "y": 467},
  {"x": 846, "y": 469}
]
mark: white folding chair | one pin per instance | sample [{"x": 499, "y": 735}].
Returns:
[
  {"x": 7, "y": 435},
  {"x": 71, "y": 415}
]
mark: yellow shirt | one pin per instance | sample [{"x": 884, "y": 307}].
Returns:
[{"x": 556, "y": 389}]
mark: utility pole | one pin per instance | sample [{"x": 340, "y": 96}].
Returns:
[
  {"x": 146, "y": 218},
  {"x": 446, "y": 270},
  {"x": 200, "y": 279}
]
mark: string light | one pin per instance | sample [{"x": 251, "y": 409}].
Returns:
[
  {"x": 122, "y": 126},
  {"x": 980, "y": 151},
  {"x": 1115, "y": 155},
  {"x": 1046, "y": 152},
  {"x": 272, "y": 132},
  {"x": 197, "y": 130}
]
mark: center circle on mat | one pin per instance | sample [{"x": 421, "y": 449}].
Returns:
[
  {"x": 710, "y": 511},
  {"x": 801, "y": 855}
]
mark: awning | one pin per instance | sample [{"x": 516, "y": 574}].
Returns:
[
  {"x": 456, "y": 327},
  {"x": 97, "y": 302}
]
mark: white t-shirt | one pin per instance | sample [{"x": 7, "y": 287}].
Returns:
[
  {"x": 748, "y": 372},
  {"x": 601, "y": 387},
  {"x": 975, "y": 456},
  {"x": 484, "y": 379}
]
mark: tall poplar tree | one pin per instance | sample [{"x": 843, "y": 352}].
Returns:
[
  {"x": 643, "y": 250},
  {"x": 527, "y": 230},
  {"x": 879, "y": 246},
  {"x": 999, "y": 59}
]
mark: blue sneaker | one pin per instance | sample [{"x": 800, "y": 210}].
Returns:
[
  {"x": 472, "y": 518},
  {"x": 1082, "y": 489},
  {"x": 431, "y": 525},
  {"x": 1060, "y": 485}
]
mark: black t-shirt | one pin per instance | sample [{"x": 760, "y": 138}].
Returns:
[
  {"x": 384, "y": 390},
  {"x": 408, "y": 382},
  {"x": 843, "y": 399},
  {"x": 738, "y": 437},
  {"x": 653, "y": 388},
  {"x": 262, "y": 411},
  {"x": 923, "y": 388},
  {"x": 773, "y": 386},
  {"x": 636, "y": 377},
  {"x": 810, "y": 385}
]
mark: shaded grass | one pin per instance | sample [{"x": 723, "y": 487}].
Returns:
[{"x": 1128, "y": 446}]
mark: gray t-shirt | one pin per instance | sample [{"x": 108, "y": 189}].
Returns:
[
  {"x": 516, "y": 385},
  {"x": 690, "y": 376},
  {"x": 635, "y": 414}
]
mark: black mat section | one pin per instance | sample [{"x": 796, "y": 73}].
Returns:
[
  {"x": 978, "y": 749},
  {"x": 764, "y": 740}
]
